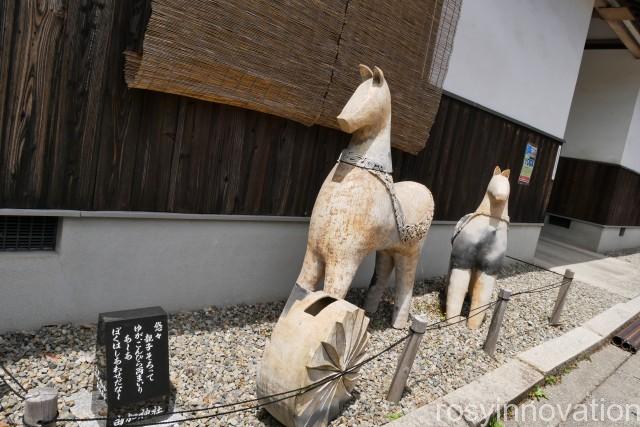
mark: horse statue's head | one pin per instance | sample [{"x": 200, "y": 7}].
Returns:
[
  {"x": 370, "y": 104},
  {"x": 499, "y": 187}
]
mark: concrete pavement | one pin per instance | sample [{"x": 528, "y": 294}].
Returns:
[
  {"x": 603, "y": 390},
  {"x": 618, "y": 277}
]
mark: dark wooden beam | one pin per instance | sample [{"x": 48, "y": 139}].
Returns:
[
  {"x": 615, "y": 14},
  {"x": 604, "y": 44},
  {"x": 618, "y": 27}
]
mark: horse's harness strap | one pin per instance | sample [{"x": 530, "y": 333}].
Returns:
[
  {"x": 361, "y": 161},
  {"x": 408, "y": 233},
  {"x": 467, "y": 219}
]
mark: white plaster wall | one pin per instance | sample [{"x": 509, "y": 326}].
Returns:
[
  {"x": 105, "y": 264},
  {"x": 631, "y": 154},
  {"x": 520, "y": 58},
  {"x": 604, "y": 118}
]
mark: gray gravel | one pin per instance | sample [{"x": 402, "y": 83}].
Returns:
[{"x": 215, "y": 352}]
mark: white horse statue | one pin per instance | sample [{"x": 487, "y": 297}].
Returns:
[
  {"x": 479, "y": 244},
  {"x": 360, "y": 210}
]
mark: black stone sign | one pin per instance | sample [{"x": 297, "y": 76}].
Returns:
[{"x": 133, "y": 360}]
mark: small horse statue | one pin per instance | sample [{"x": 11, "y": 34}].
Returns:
[
  {"x": 479, "y": 244},
  {"x": 360, "y": 210}
]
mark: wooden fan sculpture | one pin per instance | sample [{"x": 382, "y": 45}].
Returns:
[
  {"x": 320, "y": 336},
  {"x": 479, "y": 244},
  {"x": 360, "y": 210},
  {"x": 315, "y": 340}
]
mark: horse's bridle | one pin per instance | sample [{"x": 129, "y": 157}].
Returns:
[
  {"x": 408, "y": 232},
  {"x": 357, "y": 159}
]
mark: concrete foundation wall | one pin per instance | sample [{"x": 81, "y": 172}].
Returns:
[
  {"x": 611, "y": 240},
  {"x": 594, "y": 237},
  {"x": 181, "y": 262}
]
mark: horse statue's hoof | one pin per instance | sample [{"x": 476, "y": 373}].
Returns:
[{"x": 401, "y": 324}]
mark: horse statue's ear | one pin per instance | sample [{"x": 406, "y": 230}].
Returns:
[
  {"x": 365, "y": 72},
  {"x": 496, "y": 171},
  {"x": 378, "y": 76},
  {"x": 506, "y": 173}
]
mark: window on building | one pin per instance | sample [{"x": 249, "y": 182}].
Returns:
[{"x": 28, "y": 233}]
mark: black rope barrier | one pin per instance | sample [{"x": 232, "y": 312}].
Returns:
[
  {"x": 285, "y": 395},
  {"x": 10, "y": 375},
  {"x": 533, "y": 265},
  {"x": 211, "y": 408},
  {"x": 11, "y": 389},
  {"x": 289, "y": 393},
  {"x": 139, "y": 421},
  {"x": 308, "y": 388},
  {"x": 484, "y": 307},
  {"x": 544, "y": 288},
  {"x": 217, "y": 414}
]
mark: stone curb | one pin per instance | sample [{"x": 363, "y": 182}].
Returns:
[
  {"x": 510, "y": 382},
  {"x": 553, "y": 354},
  {"x": 607, "y": 322}
]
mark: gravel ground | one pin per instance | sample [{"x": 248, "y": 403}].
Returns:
[{"x": 215, "y": 352}]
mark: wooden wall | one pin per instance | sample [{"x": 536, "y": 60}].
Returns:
[
  {"x": 72, "y": 136},
  {"x": 597, "y": 192},
  {"x": 466, "y": 144}
]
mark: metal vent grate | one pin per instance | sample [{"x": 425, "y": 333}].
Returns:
[
  {"x": 559, "y": 221},
  {"x": 28, "y": 233}
]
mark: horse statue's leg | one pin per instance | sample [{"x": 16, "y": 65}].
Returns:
[
  {"x": 312, "y": 271},
  {"x": 338, "y": 276},
  {"x": 406, "y": 264},
  {"x": 379, "y": 281},
  {"x": 458, "y": 286},
  {"x": 480, "y": 296}
]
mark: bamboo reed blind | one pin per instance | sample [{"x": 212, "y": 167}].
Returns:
[{"x": 298, "y": 58}]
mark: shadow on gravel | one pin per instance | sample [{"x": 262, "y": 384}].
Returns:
[{"x": 47, "y": 342}]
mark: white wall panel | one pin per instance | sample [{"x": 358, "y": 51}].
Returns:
[{"x": 520, "y": 58}]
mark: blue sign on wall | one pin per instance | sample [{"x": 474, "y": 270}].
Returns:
[{"x": 527, "y": 164}]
